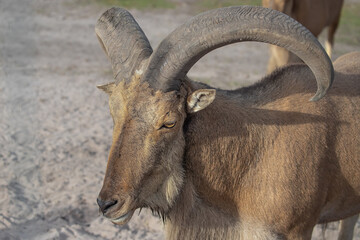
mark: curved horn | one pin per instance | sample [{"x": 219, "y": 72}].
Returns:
[
  {"x": 123, "y": 41},
  {"x": 182, "y": 48}
]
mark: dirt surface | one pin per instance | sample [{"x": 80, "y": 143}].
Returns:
[{"x": 55, "y": 125}]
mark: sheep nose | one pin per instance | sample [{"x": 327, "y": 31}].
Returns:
[{"x": 105, "y": 205}]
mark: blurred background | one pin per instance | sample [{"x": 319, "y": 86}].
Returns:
[{"x": 55, "y": 126}]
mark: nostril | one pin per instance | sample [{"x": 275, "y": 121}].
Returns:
[{"x": 105, "y": 205}]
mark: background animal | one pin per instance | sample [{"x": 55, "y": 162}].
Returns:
[
  {"x": 314, "y": 15},
  {"x": 259, "y": 162}
]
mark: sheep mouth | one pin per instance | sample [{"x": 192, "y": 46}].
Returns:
[{"x": 123, "y": 218}]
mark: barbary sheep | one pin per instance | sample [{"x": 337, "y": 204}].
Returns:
[{"x": 259, "y": 162}]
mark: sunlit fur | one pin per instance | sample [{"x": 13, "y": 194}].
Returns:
[
  {"x": 315, "y": 15},
  {"x": 260, "y": 162}
]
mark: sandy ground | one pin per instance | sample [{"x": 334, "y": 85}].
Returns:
[{"x": 55, "y": 127}]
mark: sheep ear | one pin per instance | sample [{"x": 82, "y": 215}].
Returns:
[
  {"x": 200, "y": 99},
  {"x": 108, "y": 88}
]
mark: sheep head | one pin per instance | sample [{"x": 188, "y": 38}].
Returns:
[
  {"x": 145, "y": 161},
  {"x": 152, "y": 96}
]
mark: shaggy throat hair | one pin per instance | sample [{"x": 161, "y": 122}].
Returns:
[{"x": 162, "y": 201}]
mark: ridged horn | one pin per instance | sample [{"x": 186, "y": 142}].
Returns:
[
  {"x": 182, "y": 48},
  {"x": 123, "y": 41}
]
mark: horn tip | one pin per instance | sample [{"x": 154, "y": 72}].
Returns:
[{"x": 319, "y": 94}]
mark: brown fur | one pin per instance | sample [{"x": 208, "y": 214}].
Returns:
[
  {"x": 260, "y": 162},
  {"x": 315, "y": 15}
]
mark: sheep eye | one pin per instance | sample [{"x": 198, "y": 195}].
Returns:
[{"x": 169, "y": 125}]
